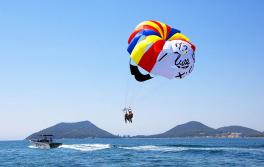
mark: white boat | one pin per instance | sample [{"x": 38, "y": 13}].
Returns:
[{"x": 45, "y": 142}]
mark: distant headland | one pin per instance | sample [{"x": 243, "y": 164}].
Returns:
[
  {"x": 86, "y": 129},
  {"x": 77, "y": 130}
]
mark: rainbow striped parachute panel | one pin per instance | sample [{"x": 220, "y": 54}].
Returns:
[{"x": 160, "y": 50}]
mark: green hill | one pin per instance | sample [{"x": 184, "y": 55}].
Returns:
[
  {"x": 82, "y": 129},
  {"x": 189, "y": 129},
  {"x": 243, "y": 131}
]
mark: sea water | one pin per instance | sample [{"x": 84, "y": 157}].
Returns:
[{"x": 209, "y": 152}]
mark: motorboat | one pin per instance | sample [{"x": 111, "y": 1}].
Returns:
[{"x": 44, "y": 142}]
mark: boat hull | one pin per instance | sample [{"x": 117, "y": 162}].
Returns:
[{"x": 45, "y": 145}]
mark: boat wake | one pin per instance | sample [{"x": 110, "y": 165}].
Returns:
[
  {"x": 155, "y": 148},
  {"x": 194, "y": 148},
  {"x": 159, "y": 148},
  {"x": 32, "y": 146},
  {"x": 85, "y": 147}
]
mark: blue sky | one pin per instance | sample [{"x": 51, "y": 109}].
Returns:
[{"x": 66, "y": 61}]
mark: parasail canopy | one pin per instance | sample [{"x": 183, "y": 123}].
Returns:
[{"x": 160, "y": 50}]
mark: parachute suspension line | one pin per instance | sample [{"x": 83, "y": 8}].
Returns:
[
  {"x": 144, "y": 81},
  {"x": 137, "y": 82},
  {"x": 126, "y": 93},
  {"x": 145, "y": 94},
  {"x": 127, "y": 88},
  {"x": 134, "y": 91},
  {"x": 141, "y": 80},
  {"x": 131, "y": 88}
]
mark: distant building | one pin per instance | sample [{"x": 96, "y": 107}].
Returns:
[{"x": 229, "y": 135}]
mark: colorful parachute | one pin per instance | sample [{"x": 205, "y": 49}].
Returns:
[{"x": 159, "y": 50}]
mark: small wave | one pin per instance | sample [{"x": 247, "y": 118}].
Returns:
[
  {"x": 215, "y": 147},
  {"x": 237, "y": 149},
  {"x": 86, "y": 147},
  {"x": 185, "y": 145}
]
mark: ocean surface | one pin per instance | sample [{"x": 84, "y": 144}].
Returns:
[{"x": 137, "y": 152}]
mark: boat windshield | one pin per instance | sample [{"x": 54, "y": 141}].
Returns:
[{"x": 45, "y": 138}]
